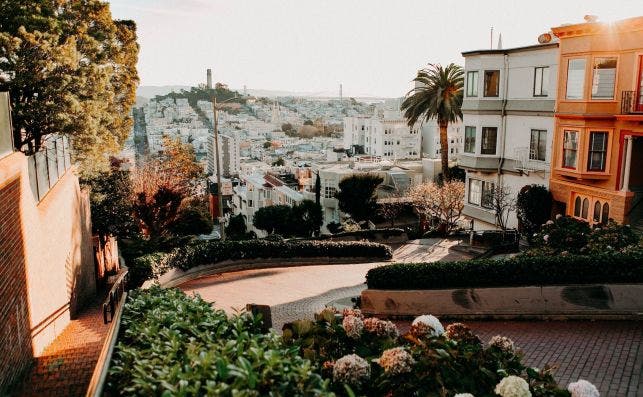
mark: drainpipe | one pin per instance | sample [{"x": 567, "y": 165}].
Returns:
[{"x": 503, "y": 122}]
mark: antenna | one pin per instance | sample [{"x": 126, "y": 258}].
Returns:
[{"x": 491, "y": 39}]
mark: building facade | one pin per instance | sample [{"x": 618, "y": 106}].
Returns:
[
  {"x": 229, "y": 155},
  {"x": 508, "y": 122},
  {"x": 387, "y": 136},
  {"x": 596, "y": 168}
]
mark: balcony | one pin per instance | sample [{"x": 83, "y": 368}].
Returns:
[
  {"x": 631, "y": 103},
  {"x": 480, "y": 163}
]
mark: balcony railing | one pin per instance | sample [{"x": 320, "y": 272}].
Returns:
[{"x": 631, "y": 102}]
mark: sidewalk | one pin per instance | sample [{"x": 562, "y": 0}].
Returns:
[{"x": 65, "y": 367}]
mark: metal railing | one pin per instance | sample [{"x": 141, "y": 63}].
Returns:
[
  {"x": 115, "y": 297},
  {"x": 48, "y": 165},
  {"x": 630, "y": 102}
]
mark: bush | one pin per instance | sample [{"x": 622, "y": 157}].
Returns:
[
  {"x": 375, "y": 360},
  {"x": 611, "y": 237},
  {"x": 192, "y": 220},
  {"x": 370, "y": 234},
  {"x": 210, "y": 252},
  {"x": 171, "y": 344},
  {"x": 145, "y": 268},
  {"x": 533, "y": 208},
  {"x": 513, "y": 272}
]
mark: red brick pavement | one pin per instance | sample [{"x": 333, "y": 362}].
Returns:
[
  {"x": 65, "y": 367},
  {"x": 607, "y": 353}
]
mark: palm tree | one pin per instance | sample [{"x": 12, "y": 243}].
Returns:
[{"x": 437, "y": 94}]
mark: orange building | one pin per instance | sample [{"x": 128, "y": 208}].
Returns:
[{"x": 597, "y": 156}]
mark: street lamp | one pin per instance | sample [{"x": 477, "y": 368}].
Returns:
[{"x": 215, "y": 117}]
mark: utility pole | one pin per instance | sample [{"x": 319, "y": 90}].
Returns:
[{"x": 215, "y": 118}]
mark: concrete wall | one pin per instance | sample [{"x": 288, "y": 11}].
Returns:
[
  {"x": 47, "y": 270},
  {"x": 609, "y": 301}
]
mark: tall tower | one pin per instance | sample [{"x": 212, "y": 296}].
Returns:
[
  {"x": 209, "y": 83},
  {"x": 245, "y": 91},
  {"x": 340, "y": 92}
]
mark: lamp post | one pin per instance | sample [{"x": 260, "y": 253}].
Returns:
[{"x": 215, "y": 117}]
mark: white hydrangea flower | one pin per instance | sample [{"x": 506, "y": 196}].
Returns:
[
  {"x": 583, "y": 388},
  {"x": 353, "y": 326},
  {"x": 558, "y": 216},
  {"x": 430, "y": 321},
  {"x": 380, "y": 327},
  {"x": 513, "y": 386},
  {"x": 352, "y": 370},
  {"x": 396, "y": 361},
  {"x": 546, "y": 237},
  {"x": 503, "y": 343},
  {"x": 464, "y": 395}
]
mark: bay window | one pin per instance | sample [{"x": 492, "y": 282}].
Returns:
[
  {"x": 489, "y": 137},
  {"x": 597, "y": 151},
  {"x": 570, "y": 148},
  {"x": 472, "y": 84},
  {"x": 491, "y": 83},
  {"x": 481, "y": 193},
  {"x": 575, "y": 78},
  {"x": 604, "y": 78},
  {"x": 469, "y": 139}
]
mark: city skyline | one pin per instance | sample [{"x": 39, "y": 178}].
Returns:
[{"x": 372, "y": 48}]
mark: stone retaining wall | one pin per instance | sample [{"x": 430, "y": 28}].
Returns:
[{"x": 607, "y": 301}]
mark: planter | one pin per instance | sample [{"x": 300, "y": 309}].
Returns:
[
  {"x": 595, "y": 301},
  {"x": 175, "y": 277}
]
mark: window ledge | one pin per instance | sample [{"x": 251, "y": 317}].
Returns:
[{"x": 583, "y": 175}]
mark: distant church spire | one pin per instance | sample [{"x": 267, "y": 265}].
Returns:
[{"x": 500, "y": 41}]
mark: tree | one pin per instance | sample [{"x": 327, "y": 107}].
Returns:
[
  {"x": 438, "y": 94},
  {"x": 111, "y": 205},
  {"x": 280, "y": 162},
  {"x": 502, "y": 203},
  {"x": 274, "y": 219},
  {"x": 533, "y": 208},
  {"x": 157, "y": 212},
  {"x": 267, "y": 145},
  {"x": 442, "y": 202},
  {"x": 236, "y": 228},
  {"x": 392, "y": 206},
  {"x": 356, "y": 196},
  {"x": 192, "y": 219},
  {"x": 69, "y": 69},
  {"x": 307, "y": 217},
  {"x": 308, "y": 122},
  {"x": 287, "y": 127}
]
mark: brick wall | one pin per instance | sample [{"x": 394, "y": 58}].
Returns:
[
  {"x": 15, "y": 334},
  {"x": 46, "y": 262}
]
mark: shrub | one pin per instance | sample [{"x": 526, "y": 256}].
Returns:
[
  {"x": 171, "y": 344},
  {"x": 513, "y": 272},
  {"x": 611, "y": 237},
  {"x": 533, "y": 208},
  {"x": 192, "y": 220},
  {"x": 370, "y": 234},
  {"x": 210, "y": 252},
  {"x": 565, "y": 234},
  {"x": 414, "y": 364}
]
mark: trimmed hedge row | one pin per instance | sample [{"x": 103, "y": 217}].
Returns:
[
  {"x": 513, "y": 272},
  {"x": 369, "y": 233},
  {"x": 209, "y": 252}
]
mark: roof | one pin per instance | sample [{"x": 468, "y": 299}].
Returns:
[{"x": 503, "y": 51}]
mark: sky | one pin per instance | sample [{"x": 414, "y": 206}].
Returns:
[{"x": 372, "y": 47}]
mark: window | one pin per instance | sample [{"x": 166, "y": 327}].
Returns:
[
  {"x": 570, "y": 149},
  {"x": 577, "y": 204},
  {"x": 585, "y": 208},
  {"x": 489, "y": 136},
  {"x": 604, "y": 78},
  {"x": 541, "y": 81},
  {"x": 491, "y": 82},
  {"x": 597, "y": 211},
  {"x": 538, "y": 145},
  {"x": 606, "y": 214},
  {"x": 329, "y": 192},
  {"x": 469, "y": 139},
  {"x": 472, "y": 84},
  {"x": 575, "y": 78},
  {"x": 597, "y": 151},
  {"x": 481, "y": 193}
]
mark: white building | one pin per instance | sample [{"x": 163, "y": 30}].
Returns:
[
  {"x": 388, "y": 136},
  {"x": 508, "y": 121},
  {"x": 431, "y": 147},
  {"x": 229, "y": 155}
]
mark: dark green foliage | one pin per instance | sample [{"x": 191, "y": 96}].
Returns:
[
  {"x": 170, "y": 344},
  {"x": 273, "y": 219},
  {"x": 513, "y": 272},
  {"x": 533, "y": 208},
  {"x": 192, "y": 219},
  {"x": 211, "y": 252},
  {"x": 280, "y": 162},
  {"x": 455, "y": 174},
  {"x": 157, "y": 213},
  {"x": 442, "y": 365},
  {"x": 236, "y": 229},
  {"x": 111, "y": 207},
  {"x": 611, "y": 237},
  {"x": 370, "y": 234},
  {"x": 356, "y": 196},
  {"x": 308, "y": 122},
  {"x": 334, "y": 227},
  {"x": 564, "y": 234},
  {"x": 306, "y": 218}
]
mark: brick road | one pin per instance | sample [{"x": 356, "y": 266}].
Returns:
[
  {"x": 607, "y": 353},
  {"x": 65, "y": 367}
]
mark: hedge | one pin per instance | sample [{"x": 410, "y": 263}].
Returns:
[
  {"x": 513, "y": 272},
  {"x": 370, "y": 234}
]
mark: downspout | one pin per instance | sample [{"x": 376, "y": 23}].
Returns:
[{"x": 503, "y": 122}]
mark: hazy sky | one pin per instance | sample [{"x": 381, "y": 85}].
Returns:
[{"x": 372, "y": 47}]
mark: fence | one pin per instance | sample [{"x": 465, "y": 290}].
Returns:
[{"x": 48, "y": 165}]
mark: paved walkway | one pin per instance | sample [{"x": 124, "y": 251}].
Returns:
[
  {"x": 65, "y": 367},
  {"x": 608, "y": 354}
]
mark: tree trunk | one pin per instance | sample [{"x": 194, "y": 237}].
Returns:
[{"x": 444, "y": 150}]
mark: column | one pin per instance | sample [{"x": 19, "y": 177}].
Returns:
[{"x": 628, "y": 161}]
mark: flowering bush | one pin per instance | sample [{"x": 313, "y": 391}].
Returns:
[
  {"x": 396, "y": 361},
  {"x": 565, "y": 234},
  {"x": 583, "y": 388},
  {"x": 425, "y": 361},
  {"x": 464, "y": 395},
  {"x": 611, "y": 238},
  {"x": 513, "y": 386},
  {"x": 502, "y": 343},
  {"x": 427, "y": 324},
  {"x": 351, "y": 369},
  {"x": 353, "y": 326}
]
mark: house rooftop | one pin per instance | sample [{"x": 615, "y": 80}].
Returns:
[{"x": 502, "y": 51}]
